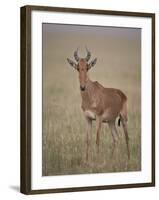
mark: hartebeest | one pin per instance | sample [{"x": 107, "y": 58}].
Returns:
[{"x": 100, "y": 103}]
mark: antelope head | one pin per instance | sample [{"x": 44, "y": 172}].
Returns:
[{"x": 82, "y": 65}]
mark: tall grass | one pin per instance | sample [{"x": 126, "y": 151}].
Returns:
[{"x": 64, "y": 125}]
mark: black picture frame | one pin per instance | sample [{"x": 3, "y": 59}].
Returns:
[{"x": 25, "y": 168}]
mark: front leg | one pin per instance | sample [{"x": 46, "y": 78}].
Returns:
[
  {"x": 99, "y": 125},
  {"x": 89, "y": 127}
]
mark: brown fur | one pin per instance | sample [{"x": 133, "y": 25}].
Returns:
[{"x": 98, "y": 99}]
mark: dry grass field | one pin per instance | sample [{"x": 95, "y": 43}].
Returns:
[{"x": 64, "y": 125}]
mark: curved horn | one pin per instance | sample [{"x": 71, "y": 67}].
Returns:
[
  {"x": 76, "y": 55},
  {"x": 88, "y": 55}
]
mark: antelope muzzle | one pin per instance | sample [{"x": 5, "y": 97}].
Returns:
[{"x": 82, "y": 88}]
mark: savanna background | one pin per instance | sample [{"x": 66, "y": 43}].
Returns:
[{"x": 118, "y": 51}]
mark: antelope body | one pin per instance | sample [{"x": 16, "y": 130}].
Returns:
[{"x": 99, "y": 103}]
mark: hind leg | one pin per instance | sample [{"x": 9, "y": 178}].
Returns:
[
  {"x": 124, "y": 124},
  {"x": 114, "y": 135}
]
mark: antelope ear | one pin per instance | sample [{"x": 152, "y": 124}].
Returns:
[
  {"x": 92, "y": 63},
  {"x": 73, "y": 64}
]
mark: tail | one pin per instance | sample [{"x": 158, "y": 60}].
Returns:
[
  {"x": 123, "y": 112},
  {"x": 119, "y": 121}
]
